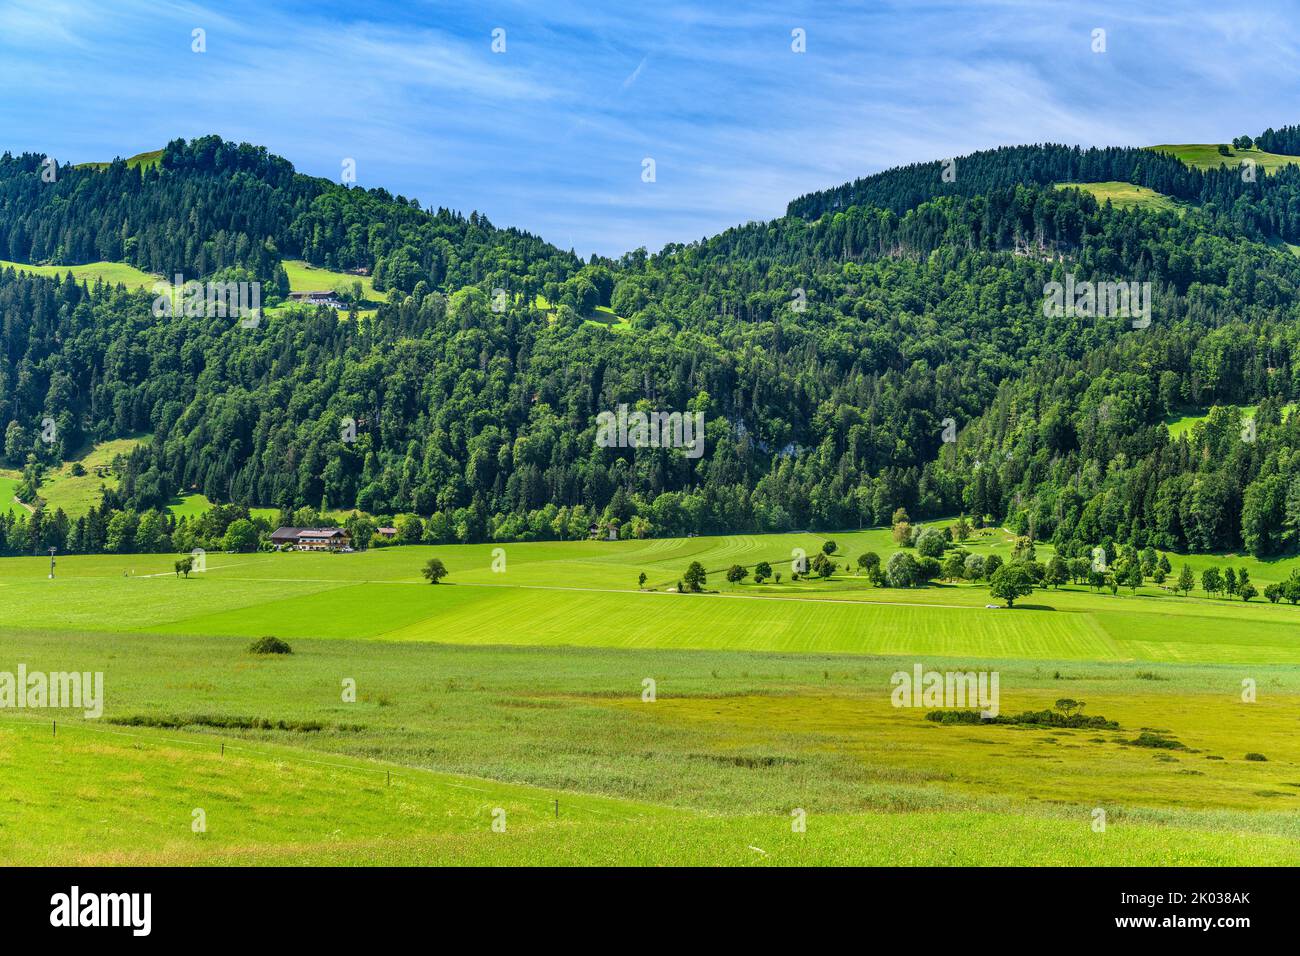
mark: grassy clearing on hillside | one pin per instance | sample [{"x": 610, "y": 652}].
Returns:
[
  {"x": 76, "y": 494},
  {"x": 1181, "y": 424},
  {"x": 603, "y": 316},
  {"x": 114, "y": 273},
  {"x": 9, "y": 482},
  {"x": 146, "y": 160},
  {"x": 1127, "y": 195},
  {"x": 191, "y": 504},
  {"x": 305, "y": 277},
  {"x": 1207, "y": 156}
]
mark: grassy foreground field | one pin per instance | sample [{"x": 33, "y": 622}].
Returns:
[
  {"x": 715, "y": 765},
  {"x": 516, "y": 688}
]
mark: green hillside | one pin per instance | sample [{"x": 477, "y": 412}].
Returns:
[
  {"x": 110, "y": 272},
  {"x": 1207, "y": 156},
  {"x": 146, "y": 160},
  {"x": 1126, "y": 195}
]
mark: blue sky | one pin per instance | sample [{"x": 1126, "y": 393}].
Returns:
[{"x": 551, "y": 134}]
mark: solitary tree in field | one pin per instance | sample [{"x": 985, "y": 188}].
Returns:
[
  {"x": 823, "y": 566},
  {"x": 695, "y": 576},
  {"x": 435, "y": 570},
  {"x": 954, "y": 567},
  {"x": 828, "y": 547},
  {"x": 1010, "y": 582},
  {"x": 641, "y": 579},
  {"x": 1211, "y": 581},
  {"x": 1186, "y": 580},
  {"x": 736, "y": 574},
  {"x": 1079, "y": 568},
  {"x": 1291, "y": 588},
  {"x": 1057, "y": 573},
  {"x": 762, "y": 571},
  {"x": 930, "y": 543},
  {"x": 240, "y": 536},
  {"x": 184, "y": 566},
  {"x": 1133, "y": 576}
]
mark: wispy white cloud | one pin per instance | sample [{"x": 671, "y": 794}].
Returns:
[{"x": 550, "y": 135}]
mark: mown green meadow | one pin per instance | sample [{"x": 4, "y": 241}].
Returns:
[
  {"x": 524, "y": 685},
  {"x": 586, "y": 594},
  {"x": 114, "y": 273}
]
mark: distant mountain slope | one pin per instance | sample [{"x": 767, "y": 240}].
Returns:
[
  {"x": 885, "y": 346},
  {"x": 1272, "y": 201},
  {"x": 205, "y": 206}
]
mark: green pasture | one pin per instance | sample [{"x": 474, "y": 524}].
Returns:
[
  {"x": 305, "y": 277},
  {"x": 1126, "y": 195},
  {"x": 1183, "y": 424},
  {"x": 113, "y": 273},
  {"x": 408, "y": 712},
  {"x": 1207, "y": 156},
  {"x": 586, "y": 594},
  {"x": 9, "y": 481},
  {"x": 77, "y": 494},
  {"x": 145, "y": 160},
  {"x": 714, "y": 765}
]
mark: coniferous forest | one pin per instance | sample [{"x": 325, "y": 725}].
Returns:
[{"x": 881, "y": 346}]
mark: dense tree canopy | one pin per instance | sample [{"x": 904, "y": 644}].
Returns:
[{"x": 829, "y": 352}]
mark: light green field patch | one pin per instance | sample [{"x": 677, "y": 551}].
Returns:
[
  {"x": 305, "y": 277},
  {"x": 189, "y": 504},
  {"x": 77, "y": 494},
  {"x": 1126, "y": 195},
  {"x": 1207, "y": 156},
  {"x": 113, "y": 273},
  {"x": 9, "y": 503},
  {"x": 1183, "y": 424},
  {"x": 706, "y": 774},
  {"x": 146, "y": 160},
  {"x": 110, "y": 796}
]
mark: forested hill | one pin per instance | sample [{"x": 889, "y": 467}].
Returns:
[
  {"x": 1260, "y": 206},
  {"x": 210, "y": 205},
  {"x": 880, "y": 347}
]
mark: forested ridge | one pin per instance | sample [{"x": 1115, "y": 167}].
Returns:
[{"x": 829, "y": 350}]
